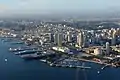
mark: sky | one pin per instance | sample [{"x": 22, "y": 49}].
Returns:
[{"x": 11, "y": 7}]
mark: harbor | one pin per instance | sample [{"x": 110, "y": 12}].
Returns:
[
  {"x": 50, "y": 57},
  {"x": 40, "y": 67},
  {"x": 59, "y": 40},
  {"x": 36, "y": 55},
  {"x": 54, "y": 59}
]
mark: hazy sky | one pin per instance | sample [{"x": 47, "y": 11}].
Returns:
[{"x": 56, "y": 6}]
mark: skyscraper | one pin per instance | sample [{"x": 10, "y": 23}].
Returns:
[
  {"x": 118, "y": 32},
  {"x": 58, "y": 37},
  {"x": 51, "y": 37},
  {"x": 80, "y": 40},
  {"x": 85, "y": 39},
  {"x": 107, "y": 48},
  {"x": 113, "y": 38},
  {"x": 55, "y": 38},
  {"x": 68, "y": 37}
]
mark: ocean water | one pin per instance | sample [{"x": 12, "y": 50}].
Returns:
[{"x": 17, "y": 68}]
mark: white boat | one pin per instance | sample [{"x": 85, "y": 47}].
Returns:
[
  {"x": 6, "y": 60},
  {"x": 43, "y": 60}
]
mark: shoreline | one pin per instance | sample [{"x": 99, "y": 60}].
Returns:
[
  {"x": 82, "y": 67},
  {"x": 85, "y": 60}
]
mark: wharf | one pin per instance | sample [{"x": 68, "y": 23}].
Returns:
[{"x": 106, "y": 64}]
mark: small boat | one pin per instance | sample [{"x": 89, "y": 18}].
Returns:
[
  {"x": 15, "y": 49},
  {"x": 51, "y": 64},
  {"x": 98, "y": 72},
  {"x": 6, "y": 60},
  {"x": 43, "y": 60},
  {"x": 104, "y": 67}
]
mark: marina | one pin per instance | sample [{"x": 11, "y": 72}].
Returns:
[
  {"x": 60, "y": 54},
  {"x": 55, "y": 58},
  {"x": 68, "y": 63},
  {"x": 35, "y": 53}
]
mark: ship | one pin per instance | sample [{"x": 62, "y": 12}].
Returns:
[
  {"x": 27, "y": 52},
  {"x": 15, "y": 49},
  {"x": 31, "y": 56},
  {"x": 21, "y": 49},
  {"x": 36, "y": 55}
]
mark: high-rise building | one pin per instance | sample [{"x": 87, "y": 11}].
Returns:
[
  {"x": 97, "y": 38},
  {"x": 107, "y": 48},
  {"x": 55, "y": 38},
  {"x": 58, "y": 37},
  {"x": 113, "y": 38},
  {"x": 85, "y": 39},
  {"x": 51, "y": 37},
  {"x": 68, "y": 37},
  {"x": 118, "y": 32},
  {"x": 93, "y": 38},
  {"x": 80, "y": 40}
]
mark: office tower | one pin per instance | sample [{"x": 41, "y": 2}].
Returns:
[
  {"x": 58, "y": 37},
  {"x": 113, "y": 38},
  {"x": 80, "y": 40},
  {"x": 51, "y": 37},
  {"x": 55, "y": 38},
  {"x": 107, "y": 48},
  {"x": 118, "y": 32},
  {"x": 96, "y": 38},
  {"x": 85, "y": 39},
  {"x": 93, "y": 38},
  {"x": 68, "y": 37}
]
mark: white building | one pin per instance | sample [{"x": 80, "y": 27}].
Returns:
[
  {"x": 80, "y": 40},
  {"x": 107, "y": 48},
  {"x": 61, "y": 49},
  {"x": 97, "y": 51},
  {"x": 58, "y": 38},
  {"x": 68, "y": 37},
  {"x": 114, "y": 38}
]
